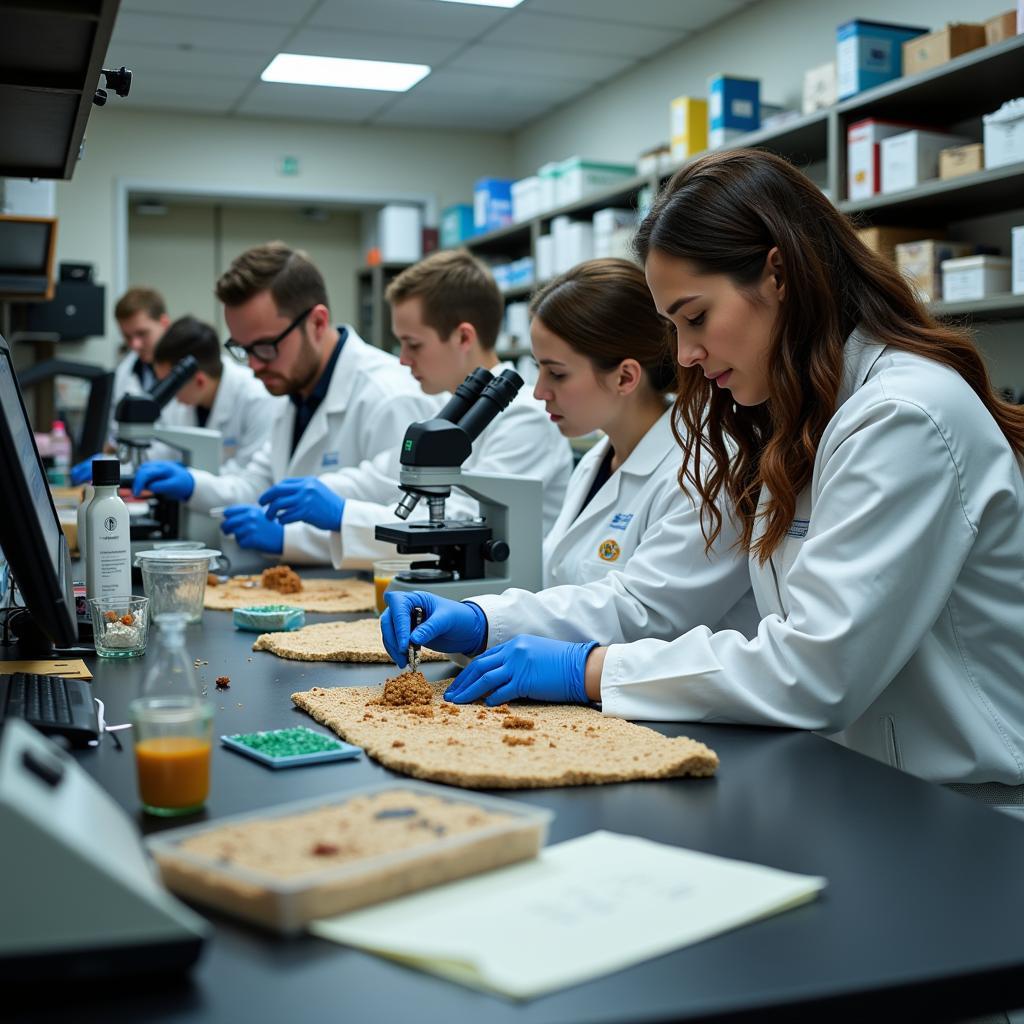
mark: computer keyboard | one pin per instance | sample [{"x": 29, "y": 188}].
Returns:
[{"x": 55, "y": 705}]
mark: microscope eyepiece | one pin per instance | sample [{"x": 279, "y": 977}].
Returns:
[
  {"x": 496, "y": 396},
  {"x": 182, "y": 372},
  {"x": 465, "y": 395}
]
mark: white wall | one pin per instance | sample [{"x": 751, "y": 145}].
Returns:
[
  {"x": 245, "y": 153},
  {"x": 184, "y": 251},
  {"x": 773, "y": 40}
]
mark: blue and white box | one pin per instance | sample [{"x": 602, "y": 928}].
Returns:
[
  {"x": 734, "y": 108},
  {"x": 456, "y": 225},
  {"x": 869, "y": 53},
  {"x": 492, "y": 204}
]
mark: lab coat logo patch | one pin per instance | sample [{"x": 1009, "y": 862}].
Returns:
[
  {"x": 621, "y": 520},
  {"x": 798, "y": 528},
  {"x": 609, "y": 550},
  {"x": 330, "y": 459}
]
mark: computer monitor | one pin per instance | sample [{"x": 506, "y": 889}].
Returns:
[
  {"x": 30, "y": 533},
  {"x": 27, "y": 247}
]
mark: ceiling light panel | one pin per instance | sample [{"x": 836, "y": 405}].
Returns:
[{"x": 344, "y": 72}]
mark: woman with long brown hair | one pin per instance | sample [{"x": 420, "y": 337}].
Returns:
[{"x": 873, "y": 474}]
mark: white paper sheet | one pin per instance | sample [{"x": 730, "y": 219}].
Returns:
[{"x": 584, "y": 908}]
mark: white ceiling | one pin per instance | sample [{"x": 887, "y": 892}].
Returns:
[{"x": 493, "y": 69}]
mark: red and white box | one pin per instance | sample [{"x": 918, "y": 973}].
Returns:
[{"x": 864, "y": 155}]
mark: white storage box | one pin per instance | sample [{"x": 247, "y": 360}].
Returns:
[
  {"x": 617, "y": 244},
  {"x": 545, "y": 257},
  {"x": 921, "y": 261},
  {"x": 577, "y": 245},
  {"x": 525, "y": 199},
  {"x": 975, "y": 277},
  {"x": 863, "y": 155},
  {"x": 548, "y": 178},
  {"x": 1004, "y": 134},
  {"x": 1018, "y": 260},
  {"x": 912, "y": 157},
  {"x": 611, "y": 219},
  {"x": 400, "y": 234},
  {"x": 578, "y": 178}
]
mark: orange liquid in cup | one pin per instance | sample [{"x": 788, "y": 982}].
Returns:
[
  {"x": 174, "y": 771},
  {"x": 380, "y": 584}
]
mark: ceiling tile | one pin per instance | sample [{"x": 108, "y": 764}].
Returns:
[
  {"x": 172, "y": 61},
  {"x": 207, "y": 33},
  {"x": 174, "y": 92},
  {"x": 581, "y": 35},
  {"x": 498, "y": 89},
  {"x": 675, "y": 14},
  {"x": 415, "y": 17},
  {"x": 531, "y": 60},
  {"x": 274, "y": 11},
  {"x": 371, "y": 46},
  {"x": 273, "y": 99}
]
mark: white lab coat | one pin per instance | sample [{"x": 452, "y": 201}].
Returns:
[
  {"x": 369, "y": 403},
  {"x": 521, "y": 441},
  {"x": 893, "y": 614},
  {"x": 243, "y": 411},
  {"x": 636, "y": 548}
]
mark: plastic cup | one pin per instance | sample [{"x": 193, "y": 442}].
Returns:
[
  {"x": 384, "y": 571},
  {"x": 173, "y": 738},
  {"x": 175, "y": 579},
  {"x": 120, "y": 625}
]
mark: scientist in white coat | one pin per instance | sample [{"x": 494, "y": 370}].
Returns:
[
  {"x": 347, "y": 402},
  {"x": 877, "y": 479},
  {"x": 222, "y": 395},
  {"x": 446, "y": 312}
]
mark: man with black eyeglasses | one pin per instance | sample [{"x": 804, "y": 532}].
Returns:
[{"x": 348, "y": 403}]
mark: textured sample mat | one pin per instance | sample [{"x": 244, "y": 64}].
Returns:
[
  {"x": 318, "y": 595},
  {"x": 407, "y": 727},
  {"x": 333, "y": 641}
]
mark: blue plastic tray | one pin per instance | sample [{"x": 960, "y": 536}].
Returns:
[
  {"x": 271, "y": 618},
  {"x": 342, "y": 752}
]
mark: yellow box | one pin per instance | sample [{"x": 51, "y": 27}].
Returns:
[
  {"x": 689, "y": 133},
  {"x": 959, "y": 160}
]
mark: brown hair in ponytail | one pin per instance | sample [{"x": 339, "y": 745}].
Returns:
[{"x": 603, "y": 310}]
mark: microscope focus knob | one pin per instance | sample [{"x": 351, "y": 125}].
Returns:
[{"x": 496, "y": 551}]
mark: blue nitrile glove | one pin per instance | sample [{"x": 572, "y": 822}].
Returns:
[
  {"x": 81, "y": 472},
  {"x": 458, "y": 627},
  {"x": 525, "y": 666},
  {"x": 304, "y": 499},
  {"x": 170, "y": 479},
  {"x": 252, "y": 529}
]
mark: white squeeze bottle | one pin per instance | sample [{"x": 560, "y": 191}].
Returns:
[
  {"x": 108, "y": 570},
  {"x": 87, "y": 496}
]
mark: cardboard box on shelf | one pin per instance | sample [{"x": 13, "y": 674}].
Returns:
[
  {"x": 975, "y": 277},
  {"x": 1004, "y": 133},
  {"x": 920, "y": 262},
  {"x": 1002, "y": 26},
  {"x": 884, "y": 240},
  {"x": 913, "y": 157},
  {"x": 936, "y": 48},
  {"x": 869, "y": 53},
  {"x": 734, "y": 108},
  {"x": 492, "y": 204},
  {"x": 456, "y": 225},
  {"x": 863, "y": 155},
  {"x": 689, "y": 127},
  {"x": 961, "y": 160},
  {"x": 820, "y": 88},
  {"x": 1017, "y": 234}
]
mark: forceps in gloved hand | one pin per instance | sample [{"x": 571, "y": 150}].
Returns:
[{"x": 415, "y": 619}]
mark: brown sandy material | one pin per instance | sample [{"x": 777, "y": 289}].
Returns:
[
  {"x": 333, "y": 641},
  {"x": 405, "y": 690},
  {"x": 567, "y": 746},
  {"x": 318, "y": 595},
  {"x": 282, "y": 578},
  {"x": 343, "y": 855}
]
